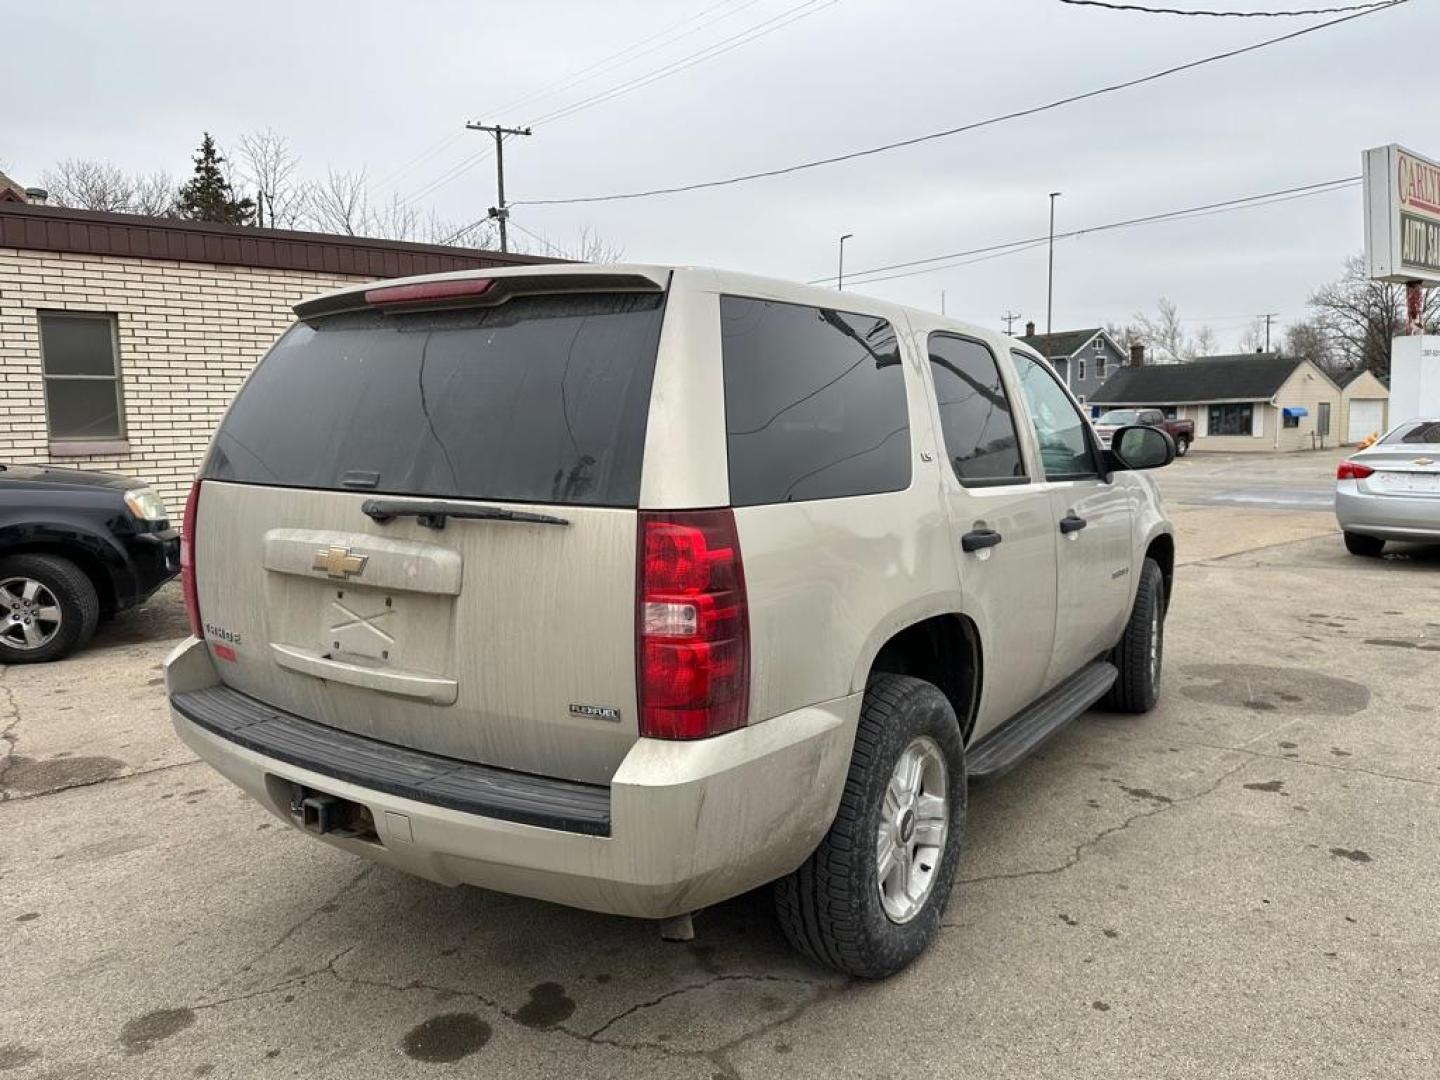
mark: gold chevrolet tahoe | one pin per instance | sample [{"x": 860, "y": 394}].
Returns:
[{"x": 634, "y": 588}]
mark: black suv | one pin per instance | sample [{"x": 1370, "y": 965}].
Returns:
[{"x": 75, "y": 546}]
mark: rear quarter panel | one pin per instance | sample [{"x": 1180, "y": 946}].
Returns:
[{"x": 831, "y": 580}]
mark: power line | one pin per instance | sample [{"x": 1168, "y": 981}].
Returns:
[
  {"x": 1303, "y": 188},
  {"x": 1156, "y": 219},
  {"x": 749, "y": 34},
  {"x": 424, "y": 155},
  {"x": 539, "y": 239},
  {"x": 974, "y": 125},
  {"x": 1141, "y": 9},
  {"x": 744, "y": 37},
  {"x": 629, "y": 54},
  {"x": 1014, "y": 247}
]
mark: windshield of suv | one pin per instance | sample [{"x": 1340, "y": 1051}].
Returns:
[
  {"x": 1120, "y": 417},
  {"x": 542, "y": 399}
]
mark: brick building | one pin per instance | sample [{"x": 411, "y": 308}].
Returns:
[{"x": 123, "y": 338}]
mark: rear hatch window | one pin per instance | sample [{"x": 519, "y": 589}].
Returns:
[{"x": 542, "y": 399}]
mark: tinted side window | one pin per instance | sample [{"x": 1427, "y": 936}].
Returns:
[
  {"x": 1065, "y": 450},
  {"x": 975, "y": 416},
  {"x": 814, "y": 403}
]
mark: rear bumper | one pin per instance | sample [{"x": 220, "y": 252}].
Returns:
[
  {"x": 689, "y": 823},
  {"x": 1387, "y": 517}
]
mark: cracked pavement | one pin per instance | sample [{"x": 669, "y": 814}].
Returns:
[{"x": 1243, "y": 882}]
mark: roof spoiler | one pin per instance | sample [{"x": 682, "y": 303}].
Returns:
[{"x": 470, "y": 289}]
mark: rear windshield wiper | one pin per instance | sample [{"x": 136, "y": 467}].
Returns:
[{"x": 433, "y": 514}]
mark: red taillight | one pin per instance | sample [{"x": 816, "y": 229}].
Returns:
[
  {"x": 692, "y": 625},
  {"x": 429, "y": 290},
  {"x": 1353, "y": 470},
  {"x": 187, "y": 561}
]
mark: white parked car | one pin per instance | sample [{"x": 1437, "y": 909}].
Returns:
[{"x": 1391, "y": 490}]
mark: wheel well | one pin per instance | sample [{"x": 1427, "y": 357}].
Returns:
[
  {"x": 89, "y": 565},
  {"x": 1162, "y": 550},
  {"x": 944, "y": 650}
]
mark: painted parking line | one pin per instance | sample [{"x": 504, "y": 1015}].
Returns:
[{"x": 1283, "y": 498}]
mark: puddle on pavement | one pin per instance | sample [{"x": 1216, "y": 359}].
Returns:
[
  {"x": 447, "y": 1037},
  {"x": 1260, "y": 688},
  {"x": 143, "y": 1032},
  {"x": 27, "y": 776}
]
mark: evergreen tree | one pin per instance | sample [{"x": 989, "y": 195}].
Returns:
[{"x": 209, "y": 196}]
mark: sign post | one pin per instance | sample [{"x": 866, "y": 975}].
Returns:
[{"x": 1402, "y": 246}]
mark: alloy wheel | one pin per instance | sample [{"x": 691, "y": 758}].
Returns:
[
  {"x": 30, "y": 615},
  {"x": 914, "y": 822}
]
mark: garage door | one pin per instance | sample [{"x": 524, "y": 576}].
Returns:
[{"x": 1366, "y": 415}]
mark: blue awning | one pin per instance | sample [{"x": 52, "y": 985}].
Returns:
[{"x": 1296, "y": 410}]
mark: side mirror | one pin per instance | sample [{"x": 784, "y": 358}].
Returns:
[{"x": 1140, "y": 447}]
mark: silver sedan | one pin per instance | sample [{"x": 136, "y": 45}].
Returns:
[{"x": 1391, "y": 490}]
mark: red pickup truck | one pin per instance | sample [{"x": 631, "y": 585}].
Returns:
[{"x": 1182, "y": 431}]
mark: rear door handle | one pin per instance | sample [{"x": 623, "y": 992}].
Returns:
[
  {"x": 1072, "y": 523},
  {"x": 978, "y": 539}
]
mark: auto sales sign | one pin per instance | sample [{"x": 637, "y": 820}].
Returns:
[{"x": 1402, "y": 216}]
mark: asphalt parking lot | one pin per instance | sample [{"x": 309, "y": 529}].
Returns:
[{"x": 1242, "y": 883}]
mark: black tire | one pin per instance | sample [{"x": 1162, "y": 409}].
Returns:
[
  {"x": 1182, "y": 446},
  {"x": 1138, "y": 687},
  {"x": 830, "y": 908},
  {"x": 1371, "y": 547},
  {"x": 74, "y": 595}
]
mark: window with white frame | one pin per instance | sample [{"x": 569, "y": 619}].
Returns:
[
  {"x": 80, "y": 363},
  {"x": 1080, "y": 370},
  {"x": 1231, "y": 419}
]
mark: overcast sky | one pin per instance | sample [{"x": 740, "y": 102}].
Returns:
[{"x": 376, "y": 85}]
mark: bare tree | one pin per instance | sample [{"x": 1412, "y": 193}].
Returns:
[
  {"x": 87, "y": 184},
  {"x": 1359, "y": 317},
  {"x": 1252, "y": 340},
  {"x": 268, "y": 166},
  {"x": 338, "y": 204},
  {"x": 341, "y": 203},
  {"x": 1308, "y": 339},
  {"x": 1163, "y": 335},
  {"x": 154, "y": 195},
  {"x": 589, "y": 246}
]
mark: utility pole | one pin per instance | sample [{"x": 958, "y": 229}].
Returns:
[
  {"x": 1267, "y": 317},
  {"x": 499, "y": 212},
  {"x": 1009, "y": 320},
  {"x": 840, "y": 275},
  {"x": 942, "y": 301}
]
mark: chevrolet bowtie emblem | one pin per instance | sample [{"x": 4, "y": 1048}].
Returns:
[
  {"x": 339, "y": 562},
  {"x": 1424, "y": 461}
]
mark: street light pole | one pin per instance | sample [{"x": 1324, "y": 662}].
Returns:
[
  {"x": 1050, "y": 283},
  {"x": 1050, "y": 286},
  {"x": 840, "y": 275}
]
